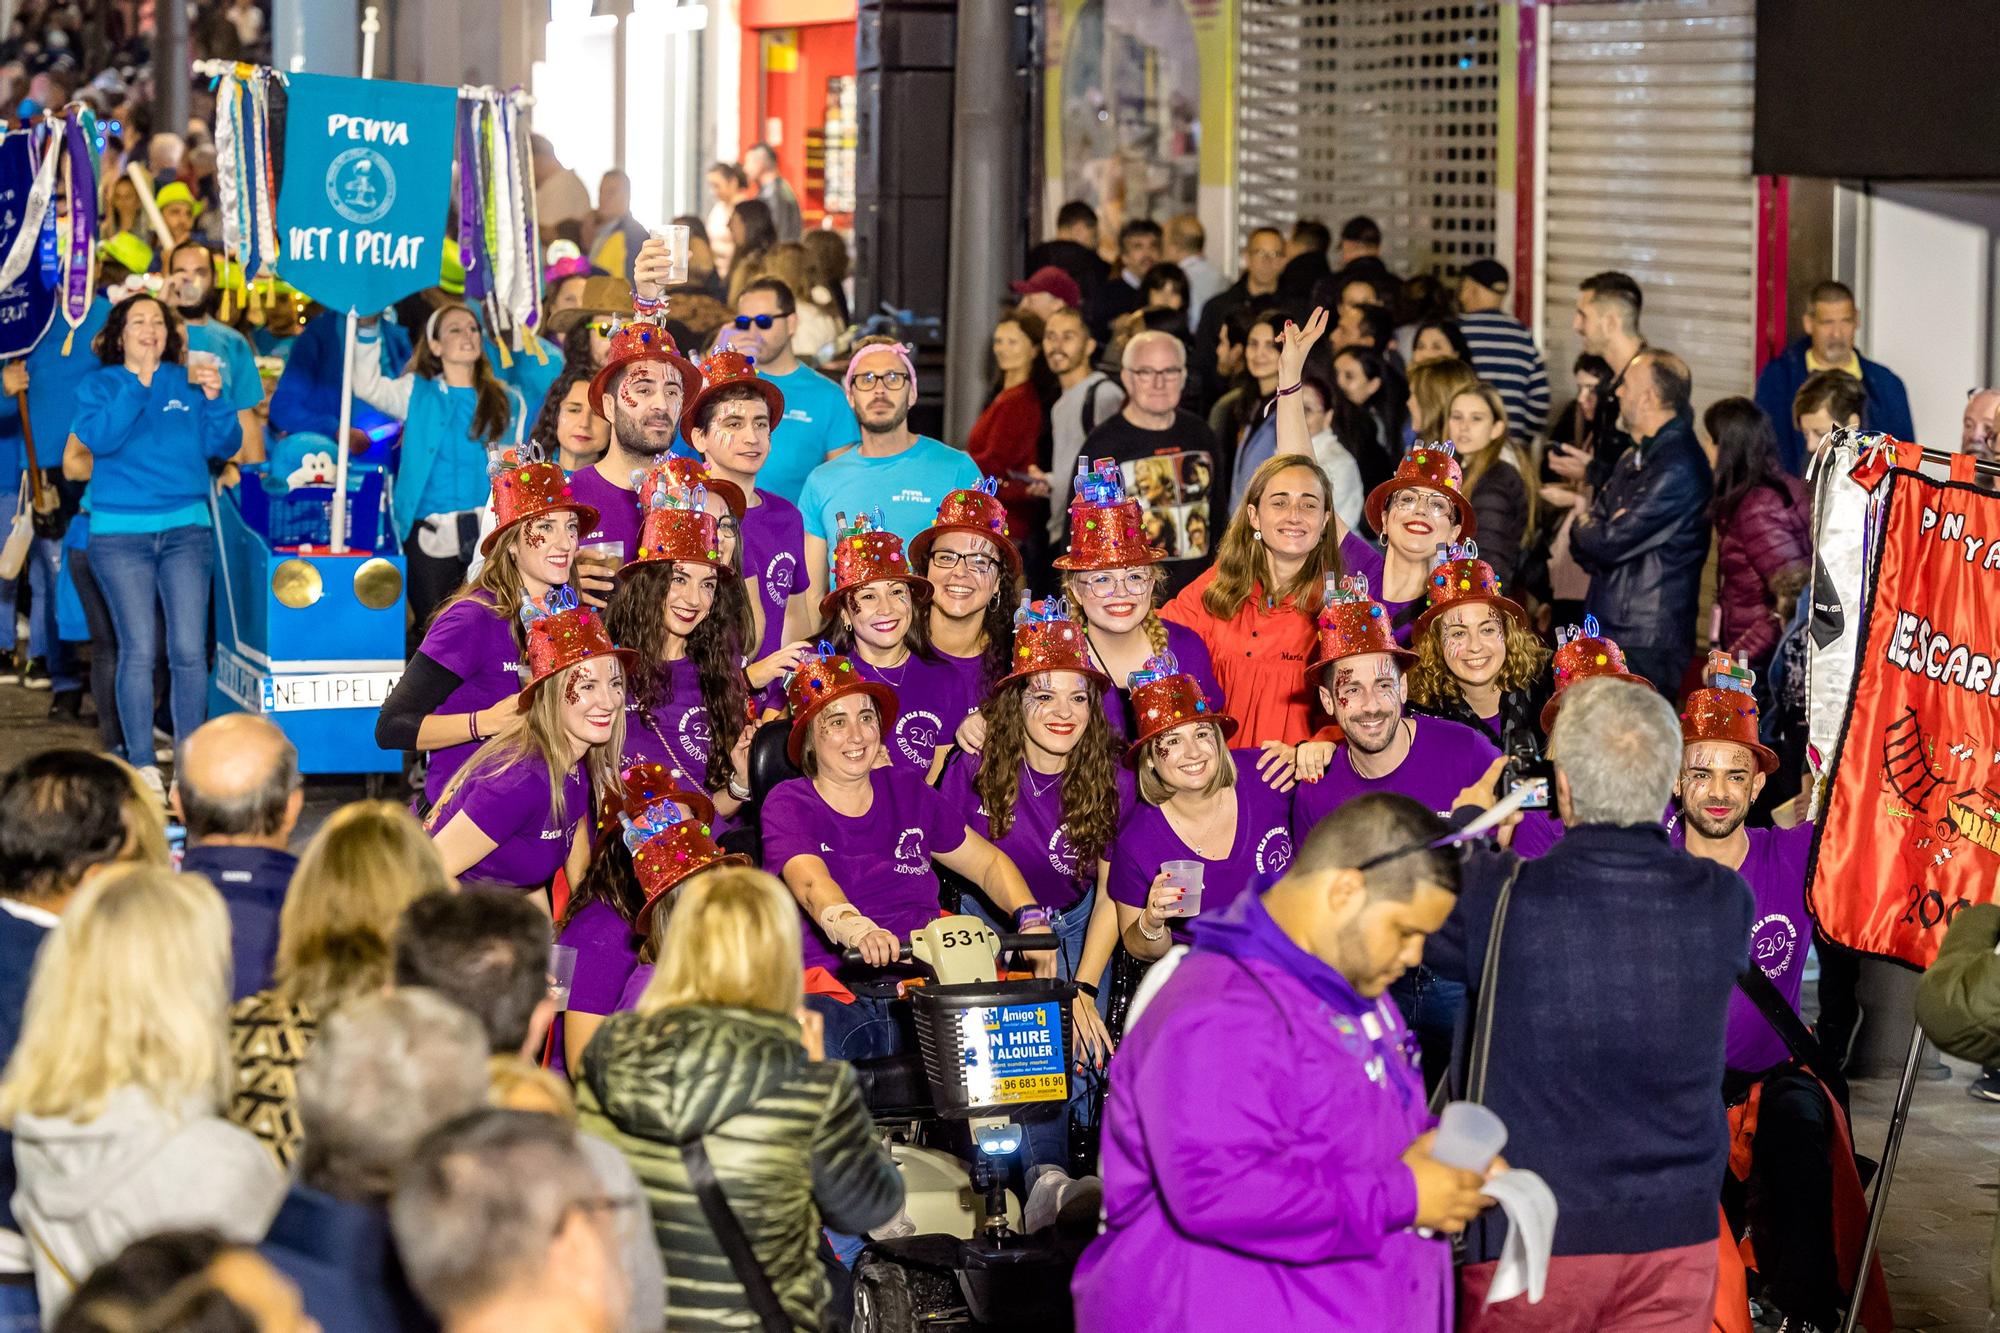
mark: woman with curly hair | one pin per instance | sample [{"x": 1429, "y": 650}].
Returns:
[
  {"x": 579, "y": 435},
  {"x": 1478, "y": 663}
]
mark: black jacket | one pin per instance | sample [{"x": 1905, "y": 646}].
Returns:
[
  {"x": 1516, "y": 730},
  {"x": 1645, "y": 540}
]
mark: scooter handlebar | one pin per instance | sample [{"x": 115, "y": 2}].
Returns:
[{"x": 1008, "y": 944}]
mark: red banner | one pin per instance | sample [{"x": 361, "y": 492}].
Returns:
[{"x": 1911, "y": 829}]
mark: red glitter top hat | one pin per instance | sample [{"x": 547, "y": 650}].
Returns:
[
  {"x": 678, "y": 528},
  {"x": 1463, "y": 579},
  {"x": 1351, "y": 624},
  {"x": 1581, "y": 654},
  {"x": 1165, "y": 697},
  {"x": 727, "y": 368},
  {"x": 667, "y": 846},
  {"x": 821, "y": 677},
  {"x": 643, "y": 340},
  {"x": 863, "y": 553},
  {"x": 976, "y": 512},
  {"x": 1434, "y": 467},
  {"x": 686, "y": 471},
  {"x": 1046, "y": 639},
  {"x": 525, "y": 487},
  {"x": 562, "y": 633},
  {"x": 1104, "y": 526},
  {"x": 643, "y": 783},
  {"x": 1726, "y": 711}
]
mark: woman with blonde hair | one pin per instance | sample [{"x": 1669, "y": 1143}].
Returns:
[
  {"x": 114, "y": 1094},
  {"x": 785, "y": 1133},
  {"x": 364, "y": 866},
  {"x": 1433, "y": 386}
]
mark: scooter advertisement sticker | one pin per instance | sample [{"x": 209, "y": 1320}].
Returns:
[{"x": 1013, "y": 1053}]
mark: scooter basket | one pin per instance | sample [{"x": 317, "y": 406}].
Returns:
[{"x": 996, "y": 1048}]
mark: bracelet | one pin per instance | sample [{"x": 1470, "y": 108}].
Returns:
[
  {"x": 647, "y": 302},
  {"x": 472, "y": 727},
  {"x": 1294, "y": 389},
  {"x": 740, "y": 793},
  {"x": 1147, "y": 934},
  {"x": 1029, "y": 918},
  {"x": 1087, "y": 989}
]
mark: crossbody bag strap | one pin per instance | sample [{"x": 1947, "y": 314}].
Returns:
[
  {"x": 41, "y": 1246},
  {"x": 1489, "y": 979},
  {"x": 735, "y": 1244},
  {"x": 1761, "y": 991}
]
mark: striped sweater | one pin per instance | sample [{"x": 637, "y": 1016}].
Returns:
[{"x": 1504, "y": 354}]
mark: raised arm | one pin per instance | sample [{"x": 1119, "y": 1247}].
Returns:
[{"x": 373, "y": 387}]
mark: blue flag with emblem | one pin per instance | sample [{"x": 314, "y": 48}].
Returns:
[
  {"x": 367, "y": 186},
  {"x": 26, "y": 307}
]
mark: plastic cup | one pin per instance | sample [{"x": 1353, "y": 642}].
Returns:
[
  {"x": 1185, "y": 876},
  {"x": 676, "y": 238},
  {"x": 196, "y": 360},
  {"x": 1469, "y": 1137},
  {"x": 604, "y": 557},
  {"x": 562, "y": 971}
]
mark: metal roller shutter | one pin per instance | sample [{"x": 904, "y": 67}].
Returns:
[
  {"x": 1384, "y": 107},
  {"x": 1648, "y": 171}
]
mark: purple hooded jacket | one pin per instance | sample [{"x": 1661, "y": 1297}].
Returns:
[{"x": 1252, "y": 1153}]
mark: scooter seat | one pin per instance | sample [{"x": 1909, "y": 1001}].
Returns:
[{"x": 895, "y": 1087}]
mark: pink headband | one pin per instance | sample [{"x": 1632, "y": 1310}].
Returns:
[{"x": 901, "y": 352}]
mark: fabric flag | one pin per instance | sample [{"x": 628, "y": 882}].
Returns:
[
  {"x": 29, "y": 304},
  {"x": 1911, "y": 832},
  {"x": 367, "y": 186}
]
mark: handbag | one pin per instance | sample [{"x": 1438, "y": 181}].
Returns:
[
  {"x": 735, "y": 1244},
  {"x": 20, "y": 537}
]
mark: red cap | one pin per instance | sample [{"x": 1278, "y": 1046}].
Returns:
[
  {"x": 1726, "y": 711},
  {"x": 562, "y": 635},
  {"x": 726, "y": 368},
  {"x": 974, "y": 511},
  {"x": 863, "y": 554},
  {"x": 522, "y": 491},
  {"x": 643, "y": 783},
  {"x": 821, "y": 677},
  {"x": 1351, "y": 624},
  {"x": 1104, "y": 526},
  {"x": 643, "y": 340},
  {"x": 1464, "y": 579},
  {"x": 667, "y": 847},
  {"x": 1046, "y": 639},
  {"x": 1434, "y": 467},
  {"x": 1580, "y": 655},
  {"x": 1165, "y": 697},
  {"x": 1050, "y": 281},
  {"x": 686, "y": 471}
]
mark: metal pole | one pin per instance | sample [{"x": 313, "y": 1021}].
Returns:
[
  {"x": 337, "y": 543},
  {"x": 1880, "y": 1204},
  {"x": 170, "y": 68},
  {"x": 985, "y": 214}
]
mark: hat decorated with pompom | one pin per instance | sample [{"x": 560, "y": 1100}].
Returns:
[
  {"x": 1433, "y": 467},
  {"x": 1352, "y": 623},
  {"x": 685, "y": 468},
  {"x": 677, "y": 527},
  {"x": 642, "y": 783},
  {"x": 822, "y": 676},
  {"x": 1047, "y": 639},
  {"x": 667, "y": 846},
  {"x": 1580, "y": 654},
  {"x": 562, "y": 632},
  {"x": 526, "y": 486},
  {"x": 975, "y": 511},
  {"x": 727, "y": 368},
  {"x": 1165, "y": 697},
  {"x": 1105, "y": 531},
  {"x": 864, "y": 552},
  {"x": 1461, "y": 578},
  {"x": 643, "y": 340},
  {"x": 1726, "y": 710}
]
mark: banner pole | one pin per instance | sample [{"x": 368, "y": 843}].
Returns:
[
  {"x": 1880, "y": 1204},
  {"x": 370, "y": 25}
]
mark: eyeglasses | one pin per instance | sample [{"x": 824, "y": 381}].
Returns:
[
  {"x": 726, "y": 526},
  {"x": 1147, "y": 375},
  {"x": 1409, "y": 502},
  {"x": 982, "y": 565},
  {"x": 761, "y": 321},
  {"x": 1133, "y": 582},
  {"x": 888, "y": 379}
]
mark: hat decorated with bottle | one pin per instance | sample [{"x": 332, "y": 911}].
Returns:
[
  {"x": 1352, "y": 623},
  {"x": 643, "y": 783},
  {"x": 562, "y": 632},
  {"x": 643, "y": 340},
  {"x": 864, "y": 553},
  {"x": 1433, "y": 467},
  {"x": 685, "y": 468},
  {"x": 1104, "y": 524},
  {"x": 822, "y": 676},
  {"x": 1580, "y": 654},
  {"x": 1165, "y": 697},
  {"x": 1047, "y": 639},
  {"x": 976, "y": 512},
  {"x": 727, "y": 368},
  {"x": 677, "y": 527},
  {"x": 526, "y": 485},
  {"x": 667, "y": 846},
  {"x": 1726, "y": 710},
  {"x": 1461, "y": 578}
]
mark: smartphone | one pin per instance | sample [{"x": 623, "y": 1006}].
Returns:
[{"x": 1533, "y": 771}]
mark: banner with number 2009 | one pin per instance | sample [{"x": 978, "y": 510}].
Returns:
[{"x": 1911, "y": 829}]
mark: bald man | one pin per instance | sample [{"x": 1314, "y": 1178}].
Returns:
[{"x": 237, "y": 789}]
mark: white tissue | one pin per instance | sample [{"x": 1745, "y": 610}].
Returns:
[{"x": 1531, "y": 1233}]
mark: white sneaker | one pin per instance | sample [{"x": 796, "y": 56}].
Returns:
[{"x": 150, "y": 776}]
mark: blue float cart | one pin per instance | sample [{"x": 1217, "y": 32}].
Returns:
[{"x": 311, "y": 639}]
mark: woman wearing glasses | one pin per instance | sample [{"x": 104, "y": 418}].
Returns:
[{"x": 974, "y": 571}]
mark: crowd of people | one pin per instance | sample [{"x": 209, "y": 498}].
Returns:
[{"x": 724, "y": 681}]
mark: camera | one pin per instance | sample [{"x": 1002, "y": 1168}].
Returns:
[{"x": 1525, "y": 766}]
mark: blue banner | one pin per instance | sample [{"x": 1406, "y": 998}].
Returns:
[
  {"x": 27, "y": 307},
  {"x": 367, "y": 186}
]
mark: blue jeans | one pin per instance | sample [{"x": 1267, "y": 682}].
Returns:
[
  {"x": 20, "y": 1312},
  {"x": 865, "y": 1030},
  {"x": 170, "y": 571},
  {"x": 44, "y": 639}
]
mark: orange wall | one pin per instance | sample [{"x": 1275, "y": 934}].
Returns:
[{"x": 824, "y": 31}]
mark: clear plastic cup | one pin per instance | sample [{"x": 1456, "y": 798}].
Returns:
[
  {"x": 562, "y": 972},
  {"x": 1469, "y": 1137},
  {"x": 603, "y": 558},
  {"x": 676, "y": 238},
  {"x": 197, "y": 360},
  {"x": 1185, "y": 876}
]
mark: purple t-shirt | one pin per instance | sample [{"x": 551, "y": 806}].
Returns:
[
  {"x": 773, "y": 536},
  {"x": 1360, "y": 556},
  {"x": 617, "y": 510},
  {"x": 880, "y": 860},
  {"x": 1444, "y": 759},
  {"x": 932, "y": 698},
  {"x": 635, "y": 986},
  {"x": 1261, "y": 852},
  {"x": 1775, "y": 870},
  {"x": 606, "y": 953},
  {"x": 512, "y": 808},
  {"x": 1037, "y": 841},
  {"x": 470, "y": 641},
  {"x": 1192, "y": 654},
  {"x": 674, "y": 733}
]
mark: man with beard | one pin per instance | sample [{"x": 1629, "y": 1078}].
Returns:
[
  {"x": 191, "y": 290},
  {"x": 1088, "y": 397},
  {"x": 895, "y": 470}
]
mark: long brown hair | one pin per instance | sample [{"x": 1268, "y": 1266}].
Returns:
[
  {"x": 1241, "y": 562},
  {"x": 494, "y": 412},
  {"x": 1433, "y": 686},
  {"x": 1434, "y": 384},
  {"x": 996, "y": 623},
  {"x": 1482, "y": 461},
  {"x": 637, "y": 619},
  {"x": 917, "y": 638},
  {"x": 1089, "y": 780}
]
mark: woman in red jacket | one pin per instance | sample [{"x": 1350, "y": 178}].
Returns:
[
  {"x": 1011, "y": 441},
  {"x": 1763, "y": 531}
]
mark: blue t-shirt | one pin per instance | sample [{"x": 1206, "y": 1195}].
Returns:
[
  {"x": 817, "y": 421},
  {"x": 242, "y": 386},
  {"x": 908, "y": 487}
]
